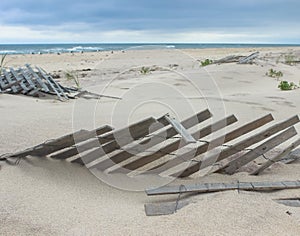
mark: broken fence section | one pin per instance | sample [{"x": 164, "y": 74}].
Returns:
[
  {"x": 237, "y": 59},
  {"x": 170, "y": 207},
  {"x": 157, "y": 146},
  {"x": 32, "y": 82},
  {"x": 216, "y": 187},
  {"x": 38, "y": 83}
]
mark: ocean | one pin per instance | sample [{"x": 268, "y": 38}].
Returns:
[{"x": 89, "y": 47}]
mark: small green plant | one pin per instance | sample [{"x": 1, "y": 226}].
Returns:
[
  {"x": 285, "y": 85},
  {"x": 274, "y": 74},
  {"x": 145, "y": 70},
  {"x": 2, "y": 62},
  {"x": 73, "y": 76},
  {"x": 290, "y": 59},
  {"x": 206, "y": 62}
]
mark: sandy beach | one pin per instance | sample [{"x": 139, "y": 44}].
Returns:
[{"x": 41, "y": 196}]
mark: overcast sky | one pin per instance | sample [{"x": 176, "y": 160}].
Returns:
[{"x": 110, "y": 21}]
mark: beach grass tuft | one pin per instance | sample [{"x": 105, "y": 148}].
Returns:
[
  {"x": 145, "y": 70},
  {"x": 2, "y": 62},
  {"x": 206, "y": 62},
  {"x": 285, "y": 85},
  {"x": 274, "y": 74},
  {"x": 71, "y": 75}
]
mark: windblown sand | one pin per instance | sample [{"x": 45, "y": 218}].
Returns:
[{"x": 45, "y": 197}]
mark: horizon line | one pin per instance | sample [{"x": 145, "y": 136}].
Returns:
[{"x": 149, "y": 43}]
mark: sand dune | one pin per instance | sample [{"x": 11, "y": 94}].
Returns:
[{"x": 45, "y": 197}]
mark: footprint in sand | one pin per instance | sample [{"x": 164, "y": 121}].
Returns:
[
  {"x": 226, "y": 77},
  {"x": 240, "y": 94},
  {"x": 277, "y": 98},
  {"x": 284, "y": 103},
  {"x": 179, "y": 84},
  {"x": 245, "y": 82}
]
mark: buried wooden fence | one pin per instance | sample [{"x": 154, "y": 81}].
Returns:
[
  {"x": 38, "y": 83},
  {"x": 170, "y": 207},
  {"x": 32, "y": 82},
  {"x": 156, "y": 146}
]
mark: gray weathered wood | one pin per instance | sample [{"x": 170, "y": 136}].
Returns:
[
  {"x": 228, "y": 59},
  {"x": 291, "y": 157},
  {"x": 236, "y": 164},
  {"x": 214, "y": 143},
  {"x": 186, "y": 136},
  {"x": 84, "y": 146},
  {"x": 292, "y": 202},
  {"x": 164, "y": 208},
  {"x": 72, "y": 139},
  {"x": 9, "y": 79},
  {"x": 210, "y": 160},
  {"x": 124, "y": 136},
  {"x": 3, "y": 83},
  {"x": 89, "y": 95},
  {"x": 215, "y": 187},
  {"x": 276, "y": 158},
  {"x": 152, "y": 141},
  {"x": 21, "y": 79},
  {"x": 8, "y": 86},
  {"x": 28, "y": 79},
  {"x": 36, "y": 93},
  {"x": 59, "y": 143},
  {"x": 53, "y": 84},
  {"x": 38, "y": 79},
  {"x": 249, "y": 58},
  {"x": 176, "y": 145}
]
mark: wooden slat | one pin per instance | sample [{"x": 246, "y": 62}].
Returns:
[
  {"x": 164, "y": 208},
  {"x": 236, "y": 164},
  {"x": 35, "y": 93},
  {"x": 277, "y": 158},
  {"x": 135, "y": 131},
  {"x": 186, "y": 136},
  {"x": 175, "y": 145},
  {"x": 60, "y": 143},
  {"x": 9, "y": 79},
  {"x": 52, "y": 86},
  {"x": 89, "y": 144},
  {"x": 58, "y": 86},
  {"x": 249, "y": 58},
  {"x": 291, "y": 157},
  {"x": 215, "y": 187},
  {"x": 7, "y": 86},
  {"x": 292, "y": 202},
  {"x": 38, "y": 79},
  {"x": 72, "y": 139},
  {"x": 152, "y": 141},
  {"x": 53, "y": 83},
  {"x": 3, "y": 83},
  {"x": 238, "y": 147},
  {"x": 28, "y": 79},
  {"x": 21, "y": 79},
  {"x": 228, "y": 59},
  {"x": 236, "y": 133}
]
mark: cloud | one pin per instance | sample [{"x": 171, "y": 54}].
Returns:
[
  {"x": 84, "y": 33},
  {"x": 163, "y": 17}
]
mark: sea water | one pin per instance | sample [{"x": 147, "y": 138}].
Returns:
[{"x": 84, "y": 47}]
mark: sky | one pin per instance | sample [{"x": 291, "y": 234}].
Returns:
[{"x": 151, "y": 21}]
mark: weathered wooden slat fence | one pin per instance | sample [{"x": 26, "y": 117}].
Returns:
[
  {"x": 153, "y": 146},
  {"x": 216, "y": 187},
  {"x": 38, "y": 83},
  {"x": 31, "y": 82},
  {"x": 190, "y": 190}
]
